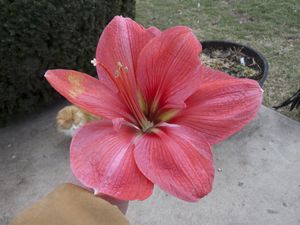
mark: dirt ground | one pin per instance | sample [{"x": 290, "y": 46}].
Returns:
[{"x": 272, "y": 27}]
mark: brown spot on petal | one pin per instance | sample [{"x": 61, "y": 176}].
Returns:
[{"x": 76, "y": 84}]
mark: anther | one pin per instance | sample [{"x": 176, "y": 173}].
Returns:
[
  {"x": 117, "y": 73},
  {"x": 119, "y": 65}
]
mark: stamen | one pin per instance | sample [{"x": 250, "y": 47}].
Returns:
[
  {"x": 119, "y": 65},
  {"x": 117, "y": 73},
  {"x": 127, "y": 91}
]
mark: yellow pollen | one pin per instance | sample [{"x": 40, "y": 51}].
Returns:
[
  {"x": 76, "y": 87},
  {"x": 119, "y": 65},
  {"x": 117, "y": 73}
]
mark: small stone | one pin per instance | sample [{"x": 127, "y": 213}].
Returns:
[
  {"x": 284, "y": 204},
  {"x": 271, "y": 211},
  {"x": 21, "y": 181},
  {"x": 242, "y": 61},
  {"x": 219, "y": 169},
  {"x": 264, "y": 149},
  {"x": 240, "y": 184},
  {"x": 13, "y": 156},
  {"x": 9, "y": 145}
]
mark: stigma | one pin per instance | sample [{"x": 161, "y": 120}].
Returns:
[{"x": 94, "y": 62}]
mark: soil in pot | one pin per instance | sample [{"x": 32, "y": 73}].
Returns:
[{"x": 232, "y": 61}]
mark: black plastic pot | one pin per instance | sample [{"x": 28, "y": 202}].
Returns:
[{"x": 258, "y": 57}]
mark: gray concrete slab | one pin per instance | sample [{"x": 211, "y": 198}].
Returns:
[{"x": 257, "y": 174}]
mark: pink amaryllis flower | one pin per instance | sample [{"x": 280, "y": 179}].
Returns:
[{"x": 162, "y": 110}]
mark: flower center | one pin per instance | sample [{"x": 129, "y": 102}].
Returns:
[
  {"x": 147, "y": 116},
  {"x": 127, "y": 88}
]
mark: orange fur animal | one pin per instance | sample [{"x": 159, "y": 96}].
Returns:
[{"x": 70, "y": 118}]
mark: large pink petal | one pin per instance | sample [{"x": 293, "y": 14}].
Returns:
[
  {"x": 88, "y": 93},
  {"x": 222, "y": 107},
  {"x": 208, "y": 74},
  {"x": 102, "y": 159},
  {"x": 154, "y": 30},
  {"x": 167, "y": 66},
  {"x": 121, "y": 41},
  {"x": 178, "y": 160}
]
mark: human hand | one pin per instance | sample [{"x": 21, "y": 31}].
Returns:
[{"x": 122, "y": 205}]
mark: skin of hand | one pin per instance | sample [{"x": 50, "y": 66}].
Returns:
[{"x": 122, "y": 205}]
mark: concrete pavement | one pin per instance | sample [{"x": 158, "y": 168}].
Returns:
[{"x": 257, "y": 177}]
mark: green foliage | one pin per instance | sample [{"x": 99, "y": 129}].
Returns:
[{"x": 37, "y": 35}]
